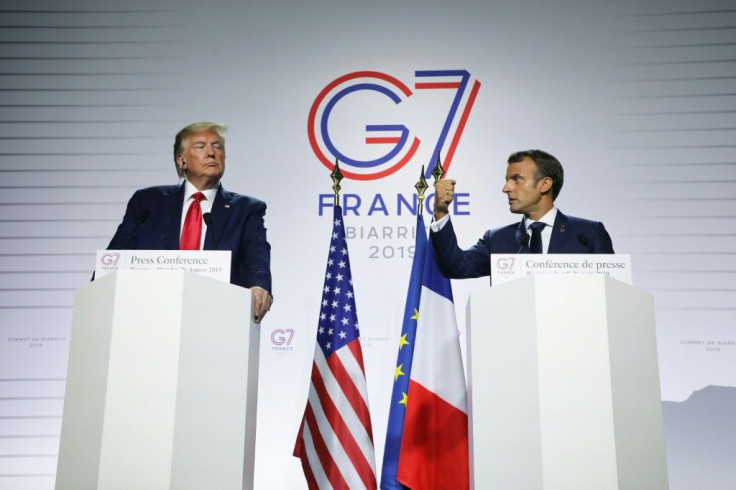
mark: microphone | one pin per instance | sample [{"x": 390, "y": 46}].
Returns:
[
  {"x": 141, "y": 219},
  {"x": 207, "y": 217},
  {"x": 584, "y": 242},
  {"x": 523, "y": 241},
  {"x": 521, "y": 236}
]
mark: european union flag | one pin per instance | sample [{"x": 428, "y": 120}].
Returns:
[{"x": 403, "y": 364}]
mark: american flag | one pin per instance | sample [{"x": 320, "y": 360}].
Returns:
[{"x": 335, "y": 440}]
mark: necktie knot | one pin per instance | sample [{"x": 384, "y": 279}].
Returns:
[
  {"x": 197, "y": 196},
  {"x": 535, "y": 245},
  {"x": 537, "y": 226}
]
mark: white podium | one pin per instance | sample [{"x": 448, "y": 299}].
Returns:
[
  {"x": 563, "y": 386},
  {"x": 162, "y": 385}
]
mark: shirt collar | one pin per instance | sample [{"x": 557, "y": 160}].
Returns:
[
  {"x": 190, "y": 190},
  {"x": 548, "y": 219}
]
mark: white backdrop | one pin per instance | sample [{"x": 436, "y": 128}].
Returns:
[{"x": 636, "y": 99}]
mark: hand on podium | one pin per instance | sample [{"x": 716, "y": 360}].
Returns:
[{"x": 262, "y": 302}]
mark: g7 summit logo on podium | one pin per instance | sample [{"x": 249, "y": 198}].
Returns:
[
  {"x": 109, "y": 259},
  {"x": 355, "y": 118},
  {"x": 505, "y": 263}
]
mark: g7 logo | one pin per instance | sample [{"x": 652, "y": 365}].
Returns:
[
  {"x": 281, "y": 336},
  {"x": 404, "y": 145},
  {"x": 505, "y": 264},
  {"x": 110, "y": 259}
]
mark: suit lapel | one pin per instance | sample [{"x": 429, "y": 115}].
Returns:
[
  {"x": 559, "y": 234},
  {"x": 173, "y": 223},
  {"x": 221, "y": 211}
]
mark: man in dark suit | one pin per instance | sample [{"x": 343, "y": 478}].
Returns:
[
  {"x": 533, "y": 181},
  {"x": 157, "y": 217}
]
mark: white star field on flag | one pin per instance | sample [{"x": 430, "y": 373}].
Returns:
[{"x": 338, "y": 322}]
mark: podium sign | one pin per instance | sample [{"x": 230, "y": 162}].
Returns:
[
  {"x": 507, "y": 267},
  {"x": 208, "y": 263}
]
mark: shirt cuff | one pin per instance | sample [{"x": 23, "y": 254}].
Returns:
[{"x": 436, "y": 226}]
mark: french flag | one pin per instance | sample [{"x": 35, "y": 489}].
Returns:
[{"x": 434, "y": 447}]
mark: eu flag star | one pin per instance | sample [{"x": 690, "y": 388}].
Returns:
[
  {"x": 403, "y": 341},
  {"x": 398, "y": 372}
]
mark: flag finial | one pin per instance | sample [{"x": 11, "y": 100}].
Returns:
[
  {"x": 421, "y": 186},
  {"x": 336, "y": 178},
  {"x": 438, "y": 172}
]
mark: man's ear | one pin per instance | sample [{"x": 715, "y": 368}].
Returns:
[{"x": 545, "y": 185}]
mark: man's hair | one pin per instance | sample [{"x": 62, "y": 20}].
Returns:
[
  {"x": 547, "y": 166},
  {"x": 195, "y": 128}
]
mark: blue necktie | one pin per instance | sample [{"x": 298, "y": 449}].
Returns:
[{"x": 535, "y": 245}]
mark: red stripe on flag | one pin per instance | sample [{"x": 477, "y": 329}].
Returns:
[
  {"x": 434, "y": 448},
  {"x": 342, "y": 431},
  {"x": 299, "y": 450},
  {"x": 357, "y": 354},
  {"x": 330, "y": 469},
  {"x": 352, "y": 393}
]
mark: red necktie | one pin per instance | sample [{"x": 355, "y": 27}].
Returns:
[{"x": 191, "y": 234}]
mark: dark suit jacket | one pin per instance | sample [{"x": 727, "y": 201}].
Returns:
[
  {"x": 237, "y": 225},
  {"x": 570, "y": 235}
]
